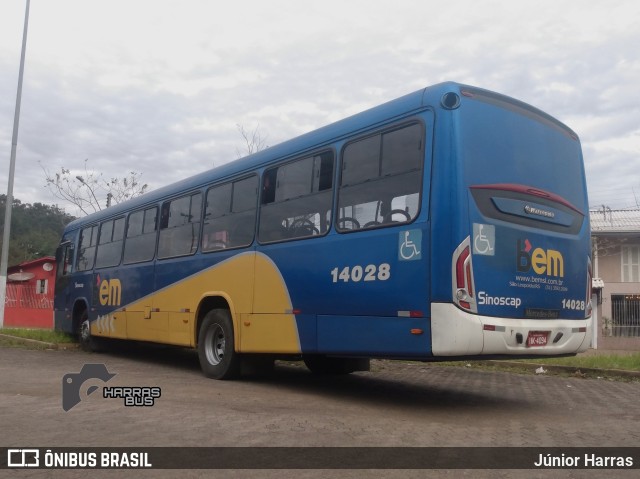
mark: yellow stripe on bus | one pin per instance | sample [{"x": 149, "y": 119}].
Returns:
[{"x": 250, "y": 283}]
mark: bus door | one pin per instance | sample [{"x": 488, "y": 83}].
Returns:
[
  {"x": 81, "y": 289},
  {"x": 62, "y": 299},
  {"x": 172, "y": 311},
  {"x": 109, "y": 294},
  {"x": 139, "y": 270}
]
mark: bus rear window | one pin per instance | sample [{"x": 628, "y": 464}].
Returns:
[{"x": 501, "y": 144}]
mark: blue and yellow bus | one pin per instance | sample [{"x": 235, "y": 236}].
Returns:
[{"x": 449, "y": 223}]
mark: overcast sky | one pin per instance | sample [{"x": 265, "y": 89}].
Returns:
[{"x": 158, "y": 86}]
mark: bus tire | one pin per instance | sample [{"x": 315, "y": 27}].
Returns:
[
  {"x": 216, "y": 346},
  {"x": 85, "y": 339},
  {"x": 325, "y": 365}
]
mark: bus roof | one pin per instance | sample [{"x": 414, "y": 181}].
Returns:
[{"x": 306, "y": 143}]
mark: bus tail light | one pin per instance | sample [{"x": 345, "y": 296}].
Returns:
[{"x": 462, "y": 277}]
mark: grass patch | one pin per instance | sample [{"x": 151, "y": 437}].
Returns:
[
  {"x": 45, "y": 335},
  {"x": 622, "y": 367},
  {"x": 627, "y": 362}
]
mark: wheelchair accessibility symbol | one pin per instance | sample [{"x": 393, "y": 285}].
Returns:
[
  {"x": 410, "y": 245},
  {"x": 484, "y": 239}
]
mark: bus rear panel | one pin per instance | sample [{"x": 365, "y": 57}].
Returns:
[{"x": 520, "y": 269}]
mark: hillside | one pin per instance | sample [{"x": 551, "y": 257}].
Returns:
[{"x": 35, "y": 229}]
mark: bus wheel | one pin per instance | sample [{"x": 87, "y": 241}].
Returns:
[
  {"x": 218, "y": 358},
  {"x": 320, "y": 364},
  {"x": 87, "y": 342}
]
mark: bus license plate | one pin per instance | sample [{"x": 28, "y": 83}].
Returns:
[{"x": 537, "y": 339}]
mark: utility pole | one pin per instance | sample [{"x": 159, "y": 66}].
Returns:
[{"x": 4, "y": 260}]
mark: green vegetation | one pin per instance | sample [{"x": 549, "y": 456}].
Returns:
[
  {"x": 628, "y": 362},
  {"x": 45, "y": 335},
  {"x": 619, "y": 367},
  {"x": 35, "y": 229}
]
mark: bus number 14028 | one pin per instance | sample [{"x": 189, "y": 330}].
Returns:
[{"x": 357, "y": 273}]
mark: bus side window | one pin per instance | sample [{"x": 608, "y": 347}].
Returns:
[
  {"x": 381, "y": 179},
  {"x": 110, "y": 243},
  {"x": 230, "y": 215},
  {"x": 140, "y": 243},
  {"x": 87, "y": 248},
  {"x": 180, "y": 226},
  {"x": 296, "y": 199}
]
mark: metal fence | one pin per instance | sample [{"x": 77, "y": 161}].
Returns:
[
  {"x": 625, "y": 316},
  {"x": 25, "y": 296}
]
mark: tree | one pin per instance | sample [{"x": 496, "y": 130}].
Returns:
[
  {"x": 90, "y": 192},
  {"x": 254, "y": 141},
  {"x": 35, "y": 231}
]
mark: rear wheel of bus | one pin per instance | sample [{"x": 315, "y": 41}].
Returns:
[{"x": 218, "y": 358}]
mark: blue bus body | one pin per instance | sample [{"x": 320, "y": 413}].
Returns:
[{"x": 448, "y": 223}]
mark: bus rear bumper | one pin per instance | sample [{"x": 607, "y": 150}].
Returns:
[{"x": 457, "y": 333}]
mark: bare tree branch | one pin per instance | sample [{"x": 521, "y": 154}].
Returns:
[
  {"x": 254, "y": 141},
  {"x": 89, "y": 192}
]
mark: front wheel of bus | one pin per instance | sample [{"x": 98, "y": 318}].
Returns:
[
  {"x": 86, "y": 340},
  {"x": 216, "y": 351}
]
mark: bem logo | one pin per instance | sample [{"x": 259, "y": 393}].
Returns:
[
  {"x": 548, "y": 262},
  {"x": 110, "y": 293}
]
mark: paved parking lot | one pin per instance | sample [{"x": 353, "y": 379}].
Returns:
[{"x": 398, "y": 404}]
